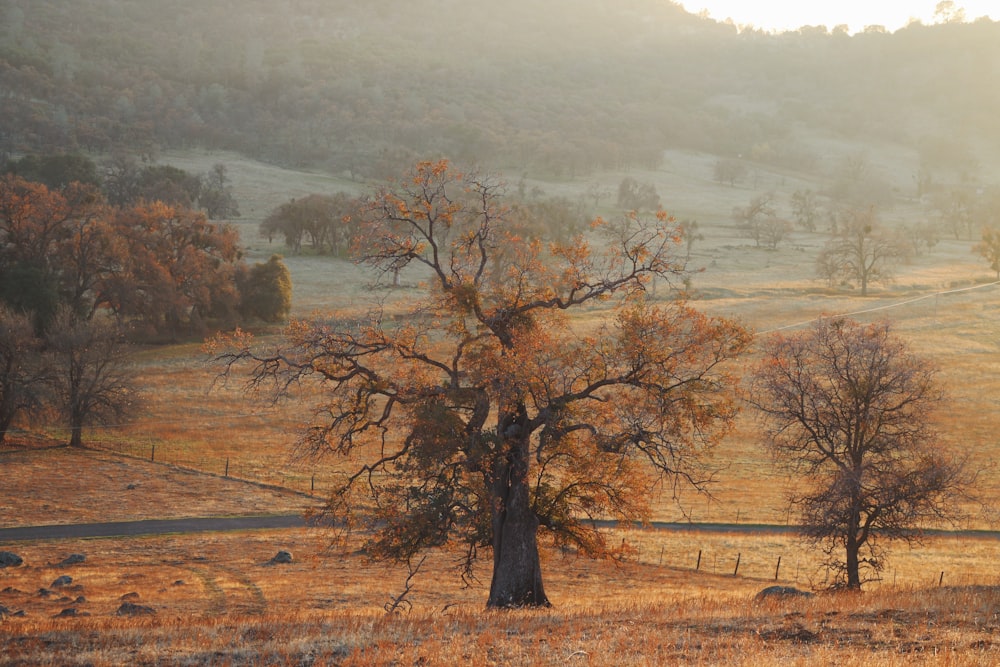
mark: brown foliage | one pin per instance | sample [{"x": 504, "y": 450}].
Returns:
[{"x": 482, "y": 416}]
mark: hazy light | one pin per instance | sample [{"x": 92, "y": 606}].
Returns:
[{"x": 780, "y": 15}]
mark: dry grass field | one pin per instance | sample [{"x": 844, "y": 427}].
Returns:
[{"x": 218, "y": 600}]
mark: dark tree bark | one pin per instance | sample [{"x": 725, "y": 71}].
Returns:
[{"x": 517, "y": 571}]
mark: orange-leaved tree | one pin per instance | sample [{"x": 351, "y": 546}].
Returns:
[{"x": 488, "y": 417}]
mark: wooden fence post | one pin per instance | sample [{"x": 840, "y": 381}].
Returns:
[
  {"x": 776, "y": 568},
  {"x": 698, "y": 564},
  {"x": 737, "y": 568}
]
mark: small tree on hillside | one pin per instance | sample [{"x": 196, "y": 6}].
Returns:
[
  {"x": 805, "y": 209},
  {"x": 216, "y": 194},
  {"x": 90, "y": 377},
  {"x": 266, "y": 291},
  {"x": 636, "y": 196},
  {"x": 862, "y": 252},
  {"x": 989, "y": 248},
  {"x": 482, "y": 419},
  {"x": 757, "y": 219},
  {"x": 848, "y": 408}
]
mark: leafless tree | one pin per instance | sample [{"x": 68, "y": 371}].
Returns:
[
  {"x": 20, "y": 368},
  {"x": 89, "y": 373},
  {"x": 861, "y": 252},
  {"x": 847, "y": 407}
]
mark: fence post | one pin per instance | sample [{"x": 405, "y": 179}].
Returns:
[
  {"x": 312, "y": 484},
  {"x": 776, "y": 568},
  {"x": 698, "y": 564},
  {"x": 941, "y": 578},
  {"x": 227, "y": 466},
  {"x": 661, "y": 554},
  {"x": 152, "y": 453},
  {"x": 737, "y": 568}
]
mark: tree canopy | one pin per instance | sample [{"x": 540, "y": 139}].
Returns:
[{"x": 485, "y": 417}]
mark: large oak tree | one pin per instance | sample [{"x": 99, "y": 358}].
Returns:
[
  {"x": 848, "y": 407},
  {"x": 486, "y": 416}
]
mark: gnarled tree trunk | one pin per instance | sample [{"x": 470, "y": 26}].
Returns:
[{"x": 517, "y": 572}]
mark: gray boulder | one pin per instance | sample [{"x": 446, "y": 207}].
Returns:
[
  {"x": 282, "y": 557},
  {"x": 10, "y": 559},
  {"x": 72, "y": 559},
  {"x": 777, "y": 592},
  {"x": 64, "y": 580},
  {"x": 133, "y": 609}
]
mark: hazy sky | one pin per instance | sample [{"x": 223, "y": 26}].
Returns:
[{"x": 786, "y": 14}]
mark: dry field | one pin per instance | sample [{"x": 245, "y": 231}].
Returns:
[{"x": 218, "y": 600}]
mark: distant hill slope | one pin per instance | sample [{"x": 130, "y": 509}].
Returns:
[{"x": 558, "y": 88}]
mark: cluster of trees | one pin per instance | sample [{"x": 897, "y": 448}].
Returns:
[
  {"x": 516, "y": 90},
  {"x": 332, "y": 224},
  {"x": 485, "y": 422},
  {"x": 125, "y": 181},
  {"x": 78, "y": 276}
]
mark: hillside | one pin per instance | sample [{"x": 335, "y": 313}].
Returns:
[{"x": 553, "y": 90}]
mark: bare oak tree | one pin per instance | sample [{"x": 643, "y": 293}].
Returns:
[
  {"x": 89, "y": 373},
  {"x": 20, "y": 368},
  {"x": 847, "y": 406},
  {"x": 482, "y": 419},
  {"x": 861, "y": 251}
]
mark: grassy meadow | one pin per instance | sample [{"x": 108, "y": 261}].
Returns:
[{"x": 219, "y": 600}]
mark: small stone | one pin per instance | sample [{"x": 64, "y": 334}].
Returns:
[
  {"x": 64, "y": 580},
  {"x": 282, "y": 557},
  {"x": 10, "y": 559},
  {"x": 132, "y": 609},
  {"x": 782, "y": 592},
  {"x": 130, "y": 596},
  {"x": 72, "y": 559}
]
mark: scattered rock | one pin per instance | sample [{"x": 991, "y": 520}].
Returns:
[
  {"x": 782, "y": 592},
  {"x": 4, "y": 611},
  {"x": 793, "y": 633},
  {"x": 131, "y": 487},
  {"x": 282, "y": 557},
  {"x": 132, "y": 609},
  {"x": 130, "y": 596},
  {"x": 64, "y": 580},
  {"x": 10, "y": 559},
  {"x": 72, "y": 559},
  {"x": 44, "y": 592},
  {"x": 179, "y": 582},
  {"x": 71, "y": 611},
  {"x": 80, "y": 600},
  {"x": 12, "y": 591}
]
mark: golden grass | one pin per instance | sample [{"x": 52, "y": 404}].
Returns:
[{"x": 218, "y": 601}]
